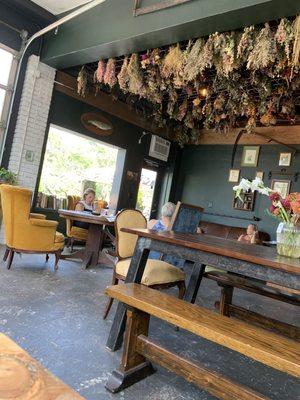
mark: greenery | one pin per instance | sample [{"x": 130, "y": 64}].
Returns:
[
  {"x": 71, "y": 159},
  {"x": 8, "y": 177}
]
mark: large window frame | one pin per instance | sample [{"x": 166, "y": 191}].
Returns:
[{"x": 9, "y": 88}]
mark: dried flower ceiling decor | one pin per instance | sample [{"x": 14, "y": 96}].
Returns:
[{"x": 227, "y": 80}]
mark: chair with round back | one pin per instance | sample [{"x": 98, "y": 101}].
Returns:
[{"x": 158, "y": 274}]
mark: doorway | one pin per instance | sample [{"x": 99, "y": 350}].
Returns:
[{"x": 147, "y": 192}]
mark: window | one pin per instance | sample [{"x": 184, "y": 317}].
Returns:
[
  {"x": 8, "y": 66},
  {"x": 74, "y": 162}
]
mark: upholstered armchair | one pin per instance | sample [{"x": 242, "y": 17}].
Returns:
[
  {"x": 74, "y": 232},
  {"x": 158, "y": 274},
  {"x": 26, "y": 232}
]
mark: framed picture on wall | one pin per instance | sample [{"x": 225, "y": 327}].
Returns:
[
  {"x": 282, "y": 186},
  {"x": 260, "y": 174},
  {"x": 285, "y": 159},
  {"x": 234, "y": 175},
  {"x": 250, "y": 156}
]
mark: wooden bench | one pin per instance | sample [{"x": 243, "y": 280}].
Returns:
[
  {"x": 139, "y": 351},
  {"x": 228, "y": 282}
]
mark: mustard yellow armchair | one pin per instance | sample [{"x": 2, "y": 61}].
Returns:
[
  {"x": 74, "y": 232},
  {"x": 26, "y": 232}
]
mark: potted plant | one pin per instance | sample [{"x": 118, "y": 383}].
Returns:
[
  {"x": 286, "y": 210},
  {"x": 7, "y": 177}
]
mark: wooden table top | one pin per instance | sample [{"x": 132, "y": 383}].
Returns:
[
  {"x": 262, "y": 255},
  {"x": 23, "y": 378},
  {"x": 85, "y": 216}
]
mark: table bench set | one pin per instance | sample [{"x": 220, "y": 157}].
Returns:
[{"x": 138, "y": 303}]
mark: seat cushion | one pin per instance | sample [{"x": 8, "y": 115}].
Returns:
[
  {"x": 59, "y": 238},
  {"x": 79, "y": 233},
  {"x": 208, "y": 269},
  {"x": 157, "y": 272}
]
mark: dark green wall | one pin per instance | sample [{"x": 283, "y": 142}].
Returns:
[
  {"x": 110, "y": 29},
  {"x": 204, "y": 178},
  {"x": 66, "y": 113}
]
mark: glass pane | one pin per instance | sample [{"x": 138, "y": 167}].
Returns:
[
  {"x": 2, "y": 97},
  {"x": 146, "y": 191},
  {"x": 6, "y": 60}
]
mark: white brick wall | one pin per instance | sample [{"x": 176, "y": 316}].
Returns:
[{"x": 32, "y": 121}]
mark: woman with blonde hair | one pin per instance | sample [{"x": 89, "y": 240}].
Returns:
[{"x": 86, "y": 204}]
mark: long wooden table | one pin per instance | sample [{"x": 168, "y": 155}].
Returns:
[
  {"x": 23, "y": 378},
  {"x": 90, "y": 254},
  {"x": 257, "y": 262}
]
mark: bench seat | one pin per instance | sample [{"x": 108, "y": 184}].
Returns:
[{"x": 271, "y": 349}]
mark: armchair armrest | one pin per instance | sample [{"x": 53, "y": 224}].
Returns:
[
  {"x": 37, "y": 216},
  {"x": 43, "y": 223}
]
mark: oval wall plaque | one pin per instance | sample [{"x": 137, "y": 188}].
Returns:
[{"x": 97, "y": 124}]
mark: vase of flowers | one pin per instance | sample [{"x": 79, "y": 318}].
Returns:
[{"x": 286, "y": 210}]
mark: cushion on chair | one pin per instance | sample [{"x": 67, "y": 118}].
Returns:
[
  {"x": 209, "y": 269},
  {"x": 157, "y": 272},
  {"x": 78, "y": 233},
  {"x": 59, "y": 237}
]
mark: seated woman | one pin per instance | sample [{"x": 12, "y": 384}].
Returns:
[
  {"x": 163, "y": 223},
  {"x": 251, "y": 236},
  {"x": 86, "y": 204}
]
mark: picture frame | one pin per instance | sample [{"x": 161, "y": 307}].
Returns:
[
  {"x": 139, "y": 9},
  {"x": 282, "y": 186},
  {"x": 250, "y": 156},
  {"x": 260, "y": 174},
  {"x": 234, "y": 175},
  {"x": 285, "y": 159}
]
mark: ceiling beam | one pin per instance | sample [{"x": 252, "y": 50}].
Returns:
[
  {"x": 289, "y": 134},
  {"x": 67, "y": 84}
]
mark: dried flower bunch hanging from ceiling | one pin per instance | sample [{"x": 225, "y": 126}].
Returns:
[{"x": 218, "y": 83}]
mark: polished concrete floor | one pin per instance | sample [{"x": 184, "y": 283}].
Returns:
[{"x": 57, "y": 318}]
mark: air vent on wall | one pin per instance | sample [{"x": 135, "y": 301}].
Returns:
[{"x": 159, "y": 148}]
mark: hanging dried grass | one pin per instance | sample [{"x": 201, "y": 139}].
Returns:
[
  {"x": 246, "y": 43},
  {"x": 82, "y": 82},
  {"x": 207, "y": 54},
  {"x": 172, "y": 63},
  {"x": 100, "y": 72},
  {"x": 296, "y": 48},
  {"x": 264, "y": 51},
  {"x": 123, "y": 77},
  {"x": 110, "y": 73},
  {"x": 193, "y": 60},
  {"x": 136, "y": 83}
]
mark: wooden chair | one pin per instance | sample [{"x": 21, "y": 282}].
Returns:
[
  {"x": 268, "y": 348},
  {"x": 74, "y": 232},
  {"x": 25, "y": 232},
  {"x": 158, "y": 273},
  {"x": 186, "y": 218}
]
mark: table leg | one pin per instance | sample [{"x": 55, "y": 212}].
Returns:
[
  {"x": 93, "y": 246},
  {"x": 135, "y": 274},
  {"x": 194, "y": 283}
]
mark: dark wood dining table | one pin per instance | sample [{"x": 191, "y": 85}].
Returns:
[
  {"x": 91, "y": 252},
  {"x": 257, "y": 262}
]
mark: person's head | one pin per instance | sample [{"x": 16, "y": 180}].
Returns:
[
  {"x": 251, "y": 229},
  {"x": 168, "y": 210},
  {"x": 89, "y": 195}
]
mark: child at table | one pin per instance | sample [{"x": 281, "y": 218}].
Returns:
[
  {"x": 86, "y": 204},
  {"x": 251, "y": 236}
]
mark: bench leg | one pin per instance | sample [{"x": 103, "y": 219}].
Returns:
[
  {"x": 134, "y": 367},
  {"x": 226, "y": 299}
]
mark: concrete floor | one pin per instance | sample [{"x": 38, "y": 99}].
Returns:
[{"x": 57, "y": 318}]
